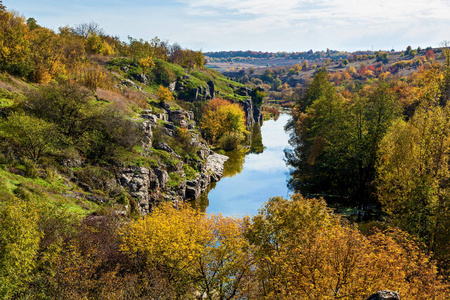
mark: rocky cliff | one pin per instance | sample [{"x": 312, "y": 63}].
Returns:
[{"x": 149, "y": 185}]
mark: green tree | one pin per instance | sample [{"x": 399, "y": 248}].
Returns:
[
  {"x": 29, "y": 136},
  {"x": 336, "y": 141},
  {"x": 68, "y": 106}
]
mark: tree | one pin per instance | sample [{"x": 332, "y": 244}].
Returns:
[
  {"x": 14, "y": 45},
  {"x": 336, "y": 141},
  {"x": 412, "y": 176},
  {"x": 147, "y": 63},
  {"x": 302, "y": 251},
  {"x": 222, "y": 117},
  {"x": 429, "y": 55},
  {"x": 164, "y": 94},
  {"x": 408, "y": 50},
  {"x": 225, "y": 270},
  {"x": 19, "y": 244},
  {"x": 30, "y": 137},
  {"x": 169, "y": 240}
]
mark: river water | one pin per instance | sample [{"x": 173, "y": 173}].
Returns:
[{"x": 250, "y": 180}]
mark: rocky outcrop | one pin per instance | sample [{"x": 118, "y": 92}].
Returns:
[
  {"x": 257, "y": 114},
  {"x": 199, "y": 93},
  {"x": 248, "y": 109},
  {"x": 142, "y": 78},
  {"x": 214, "y": 166},
  {"x": 129, "y": 83},
  {"x": 212, "y": 89},
  {"x": 252, "y": 113},
  {"x": 384, "y": 295},
  {"x": 150, "y": 185},
  {"x": 244, "y": 91},
  {"x": 179, "y": 117}
]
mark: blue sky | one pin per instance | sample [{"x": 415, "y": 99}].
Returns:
[{"x": 260, "y": 25}]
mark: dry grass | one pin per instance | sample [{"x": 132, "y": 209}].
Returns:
[{"x": 127, "y": 100}]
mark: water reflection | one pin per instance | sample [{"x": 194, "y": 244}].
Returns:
[
  {"x": 250, "y": 180},
  {"x": 235, "y": 163},
  {"x": 257, "y": 142}
]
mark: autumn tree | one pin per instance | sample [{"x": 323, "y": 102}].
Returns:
[
  {"x": 14, "y": 44},
  {"x": 303, "y": 251},
  {"x": 164, "y": 94},
  {"x": 225, "y": 270},
  {"x": 169, "y": 240},
  {"x": 223, "y": 118},
  {"x": 412, "y": 174},
  {"x": 19, "y": 244},
  {"x": 430, "y": 54}
]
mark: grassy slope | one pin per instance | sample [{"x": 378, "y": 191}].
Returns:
[{"x": 56, "y": 190}]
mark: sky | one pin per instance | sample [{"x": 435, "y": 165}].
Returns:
[{"x": 257, "y": 25}]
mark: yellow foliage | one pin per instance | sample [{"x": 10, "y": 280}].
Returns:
[
  {"x": 210, "y": 253},
  {"x": 302, "y": 251},
  {"x": 223, "y": 117},
  {"x": 147, "y": 63},
  {"x": 169, "y": 237},
  {"x": 164, "y": 94}
]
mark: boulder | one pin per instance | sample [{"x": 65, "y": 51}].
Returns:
[
  {"x": 142, "y": 78},
  {"x": 244, "y": 91},
  {"x": 384, "y": 295},
  {"x": 194, "y": 188},
  {"x": 164, "y": 147},
  {"x": 162, "y": 117},
  {"x": 150, "y": 117},
  {"x": 169, "y": 126},
  {"x": 146, "y": 128},
  {"x": 214, "y": 166},
  {"x": 139, "y": 180},
  {"x": 172, "y": 86},
  {"x": 165, "y": 105},
  {"x": 163, "y": 177},
  {"x": 179, "y": 117},
  {"x": 129, "y": 83}
]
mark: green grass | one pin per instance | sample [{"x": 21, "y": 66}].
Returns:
[
  {"x": 174, "y": 180},
  {"x": 189, "y": 172},
  {"x": 42, "y": 193}
]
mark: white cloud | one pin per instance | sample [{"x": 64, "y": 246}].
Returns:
[{"x": 267, "y": 25}]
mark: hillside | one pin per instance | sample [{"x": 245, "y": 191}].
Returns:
[
  {"x": 95, "y": 123},
  {"x": 285, "y": 80},
  {"x": 103, "y": 144}
]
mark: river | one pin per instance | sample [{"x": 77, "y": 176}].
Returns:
[{"x": 250, "y": 180}]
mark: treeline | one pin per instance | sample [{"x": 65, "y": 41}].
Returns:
[
  {"x": 292, "y": 249},
  {"x": 40, "y": 54},
  {"x": 383, "y": 144},
  {"x": 285, "y": 55}
]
